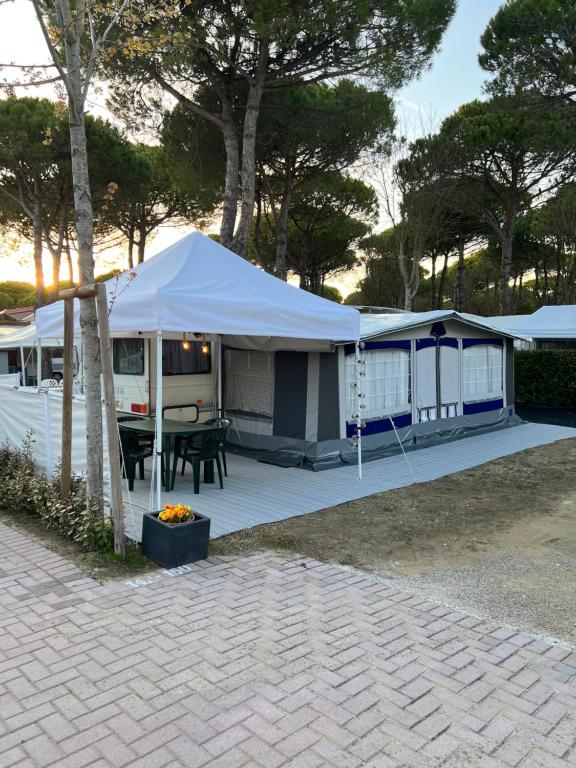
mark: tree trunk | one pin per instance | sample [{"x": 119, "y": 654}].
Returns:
[
  {"x": 315, "y": 282},
  {"x": 56, "y": 258},
  {"x": 84, "y": 217},
  {"x": 131, "y": 247},
  {"x": 440, "y": 294},
  {"x": 69, "y": 259},
  {"x": 280, "y": 268},
  {"x": 141, "y": 240},
  {"x": 38, "y": 267},
  {"x": 248, "y": 172},
  {"x": 408, "y": 298},
  {"x": 433, "y": 282},
  {"x": 556, "y": 299},
  {"x": 505, "y": 273},
  {"x": 258, "y": 227},
  {"x": 231, "y": 184},
  {"x": 459, "y": 293}
]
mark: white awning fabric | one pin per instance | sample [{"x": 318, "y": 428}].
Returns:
[
  {"x": 550, "y": 322},
  {"x": 198, "y": 286},
  {"x": 24, "y": 336}
]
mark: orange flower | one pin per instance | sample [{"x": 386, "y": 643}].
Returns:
[{"x": 176, "y": 513}]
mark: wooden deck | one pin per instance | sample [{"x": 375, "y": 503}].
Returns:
[{"x": 256, "y": 493}]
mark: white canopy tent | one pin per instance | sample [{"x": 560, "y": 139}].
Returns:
[{"x": 198, "y": 286}]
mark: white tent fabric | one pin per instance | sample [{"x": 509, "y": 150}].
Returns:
[
  {"x": 546, "y": 323},
  {"x": 197, "y": 285},
  {"x": 426, "y": 377},
  {"x": 16, "y": 337}
]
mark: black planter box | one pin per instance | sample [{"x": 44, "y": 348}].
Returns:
[{"x": 174, "y": 545}]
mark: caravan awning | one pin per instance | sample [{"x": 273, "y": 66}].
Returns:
[
  {"x": 549, "y": 322},
  {"x": 198, "y": 286}
]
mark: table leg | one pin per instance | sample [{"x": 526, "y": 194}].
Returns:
[{"x": 209, "y": 471}]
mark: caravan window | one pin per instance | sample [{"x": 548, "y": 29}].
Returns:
[
  {"x": 386, "y": 384},
  {"x": 483, "y": 372},
  {"x": 128, "y": 356},
  {"x": 177, "y": 361},
  {"x": 249, "y": 382}
]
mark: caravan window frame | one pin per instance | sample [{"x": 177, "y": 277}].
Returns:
[
  {"x": 118, "y": 346},
  {"x": 194, "y": 345}
]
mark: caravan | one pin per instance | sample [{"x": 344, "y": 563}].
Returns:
[
  {"x": 189, "y": 376},
  {"x": 189, "y": 379}
]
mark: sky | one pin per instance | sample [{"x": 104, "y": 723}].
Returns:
[{"x": 453, "y": 79}]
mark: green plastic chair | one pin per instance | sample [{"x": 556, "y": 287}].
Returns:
[
  {"x": 222, "y": 424},
  {"x": 201, "y": 448}
]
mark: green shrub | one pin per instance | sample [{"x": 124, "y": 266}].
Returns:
[
  {"x": 546, "y": 377},
  {"x": 24, "y": 490},
  {"x": 6, "y": 301}
]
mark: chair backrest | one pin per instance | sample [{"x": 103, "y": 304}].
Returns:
[
  {"x": 210, "y": 442},
  {"x": 50, "y": 384},
  {"x": 220, "y": 422}
]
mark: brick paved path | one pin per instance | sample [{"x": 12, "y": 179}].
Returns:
[{"x": 264, "y": 661}]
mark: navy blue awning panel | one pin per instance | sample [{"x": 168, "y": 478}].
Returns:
[
  {"x": 482, "y": 343},
  {"x": 447, "y": 341},
  {"x": 488, "y": 405},
  {"x": 377, "y": 426},
  {"x": 369, "y": 345}
]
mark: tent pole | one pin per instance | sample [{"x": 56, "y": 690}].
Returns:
[
  {"x": 158, "y": 456},
  {"x": 219, "y": 404},
  {"x": 358, "y": 411}
]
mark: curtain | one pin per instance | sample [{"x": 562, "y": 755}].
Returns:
[
  {"x": 177, "y": 361},
  {"x": 426, "y": 380},
  {"x": 449, "y": 379},
  {"x": 128, "y": 356},
  {"x": 386, "y": 385},
  {"x": 483, "y": 372}
]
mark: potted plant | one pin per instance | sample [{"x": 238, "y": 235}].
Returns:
[{"x": 175, "y": 536}]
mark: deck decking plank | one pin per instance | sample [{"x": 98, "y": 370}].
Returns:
[{"x": 256, "y": 493}]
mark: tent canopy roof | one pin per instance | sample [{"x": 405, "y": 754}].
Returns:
[
  {"x": 198, "y": 286},
  {"x": 382, "y": 324},
  {"x": 23, "y": 336},
  {"x": 552, "y": 322}
]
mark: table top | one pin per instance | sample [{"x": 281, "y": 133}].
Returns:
[{"x": 169, "y": 426}]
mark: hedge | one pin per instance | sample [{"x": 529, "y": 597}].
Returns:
[
  {"x": 546, "y": 377},
  {"x": 24, "y": 490}
]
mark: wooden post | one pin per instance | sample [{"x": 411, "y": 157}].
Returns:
[
  {"x": 111, "y": 422},
  {"x": 66, "y": 461}
]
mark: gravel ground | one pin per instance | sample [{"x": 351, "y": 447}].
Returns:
[{"x": 498, "y": 540}]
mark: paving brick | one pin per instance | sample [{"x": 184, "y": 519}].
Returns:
[{"x": 266, "y": 661}]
